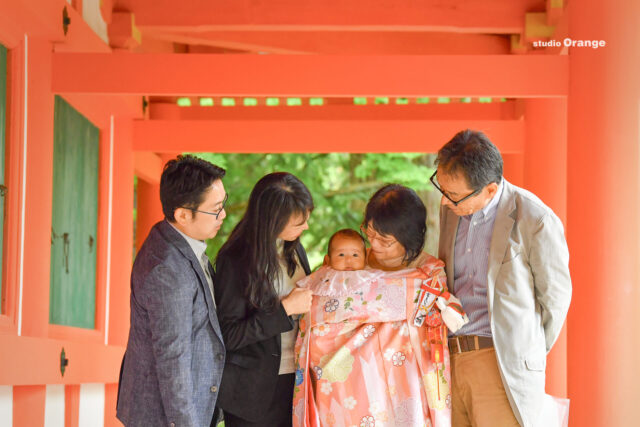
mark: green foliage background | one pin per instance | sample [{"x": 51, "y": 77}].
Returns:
[{"x": 340, "y": 183}]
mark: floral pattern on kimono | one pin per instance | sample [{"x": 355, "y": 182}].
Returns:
[{"x": 362, "y": 361}]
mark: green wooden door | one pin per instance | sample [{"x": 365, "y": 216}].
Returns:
[
  {"x": 74, "y": 218},
  {"x": 3, "y": 116}
]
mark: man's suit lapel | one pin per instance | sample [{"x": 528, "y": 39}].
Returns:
[
  {"x": 184, "y": 248},
  {"x": 500, "y": 238}
]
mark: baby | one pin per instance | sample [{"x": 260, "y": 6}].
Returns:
[
  {"x": 346, "y": 251},
  {"x": 344, "y": 272}
]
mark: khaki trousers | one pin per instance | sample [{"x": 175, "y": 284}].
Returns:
[{"x": 478, "y": 395}]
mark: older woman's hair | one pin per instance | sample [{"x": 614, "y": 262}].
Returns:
[{"x": 395, "y": 210}]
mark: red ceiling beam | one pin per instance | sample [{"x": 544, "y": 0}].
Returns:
[
  {"x": 512, "y": 76},
  {"x": 301, "y": 136},
  {"x": 479, "y": 16},
  {"x": 345, "y": 42},
  {"x": 431, "y": 111}
]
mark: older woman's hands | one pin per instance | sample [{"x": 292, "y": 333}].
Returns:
[{"x": 298, "y": 301}]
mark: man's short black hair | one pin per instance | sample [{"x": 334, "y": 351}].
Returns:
[
  {"x": 349, "y": 233},
  {"x": 396, "y": 210},
  {"x": 184, "y": 183},
  {"x": 474, "y": 155}
]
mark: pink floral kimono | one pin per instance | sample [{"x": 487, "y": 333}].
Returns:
[{"x": 361, "y": 358}]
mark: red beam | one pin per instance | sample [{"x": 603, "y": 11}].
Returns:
[
  {"x": 431, "y": 111},
  {"x": 32, "y": 361},
  {"x": 344, "y": 42},
  {"x": 482, "y": 16},
  {"x": 512, "y": 76},
  {"x": 305, "y": 136}
]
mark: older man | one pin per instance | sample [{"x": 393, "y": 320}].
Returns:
[{"x": 507, "y": 261}]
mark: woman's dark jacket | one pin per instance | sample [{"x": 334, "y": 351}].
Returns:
[{"x": 251, "y": 337}]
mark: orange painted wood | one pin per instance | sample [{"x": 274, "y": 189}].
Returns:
[
  {"x": 38, "y": 18},
  {"x": 303, "y": 136},
  {"x": 603, "y": 216},
  {"x": 431, "y": 111},
  {"x": 489, "y": 16},
  {"x": 301, "y": 75},
  {"x": 13, "y": 167},
  {"x": 80, "y": 36},
  {"x": 342, "y": 42},
  {"x": 149, "y": 210},
  {"x": 110, "y": 400},
  {"x": 72, "y": 405},
  {"x": 545, "y": 174},
  {"x": 147, "y": 166},
  {"x": 32, "y": 361},
  {"x": 39, "y": 170},
  {"x": 122, "y": 244},
  {"x": 98, "y": 109},
  {"x": 43, "y": 19},
  {"x": 28, "y": 405},
  {"x": 513, "y": 169}
]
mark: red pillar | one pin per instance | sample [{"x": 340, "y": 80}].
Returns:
[
  {"x": 603, "y": 215},
  {"x": 28, "y": 405},
  {"x": 121, "y": 231},
  {"x": 38, "y": 167},
  {"x": 149, "y": 209},
  {"x": 513, "y": 168},
  {"x": 545, "y": 174}
]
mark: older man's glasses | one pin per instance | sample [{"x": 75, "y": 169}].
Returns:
[
  {"x": 216, "y": 213},
  {"x": 434, "y": 181},
  {"x": 370, "y": 236}
]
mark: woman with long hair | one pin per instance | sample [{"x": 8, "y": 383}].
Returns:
[{"x": 258, "y": 303}]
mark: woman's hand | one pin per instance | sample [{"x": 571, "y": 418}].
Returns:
[{"x": 298, "y": 301}]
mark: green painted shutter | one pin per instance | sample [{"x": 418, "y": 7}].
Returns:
[
  {"x": 3, "y": 115},
  {"x": 74, "y": 218}
]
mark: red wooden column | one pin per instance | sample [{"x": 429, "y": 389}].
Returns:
[
  {"x": 603, "y": 215},
  {"x": 513, "y": 168},
  {"x": 121, "y": 247},
  {"x": 36, "y": 172},
  {"x": 148, "y": 169},
  {"x": 149, "y": 209},
  {"x": 545, "y": 174}
]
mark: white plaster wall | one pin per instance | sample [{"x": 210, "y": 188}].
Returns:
[
  {"x": 6, "y": 405},
  {"x": 91, "y": 405},
  {"x": 54, "y": 406}
]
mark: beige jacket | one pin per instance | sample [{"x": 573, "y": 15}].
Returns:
[{"x": 529, "y": 291}]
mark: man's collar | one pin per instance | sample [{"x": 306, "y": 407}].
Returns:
[
  {"x": 496, "y": 198},
  {"x": 198, "y": 246}
]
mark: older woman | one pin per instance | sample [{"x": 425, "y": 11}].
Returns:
[{"x": 376, "y": 356}]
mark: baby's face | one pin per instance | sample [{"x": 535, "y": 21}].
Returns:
[{"x": 346, "y": 253}]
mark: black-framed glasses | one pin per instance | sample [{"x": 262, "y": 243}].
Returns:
[
  {"x": 217, "y": 213},
  {"x": 369, "y": 237},
  {"x": 455, "y": 203}
]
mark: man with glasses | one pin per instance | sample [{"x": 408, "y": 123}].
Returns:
[
  {"x": 507, "y": 261},
  {"x": 175, "y": 355}
]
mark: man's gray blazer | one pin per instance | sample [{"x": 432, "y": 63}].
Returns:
[
  {"x": 528, "y": 295},
  {"x": 175, "y": 354}
]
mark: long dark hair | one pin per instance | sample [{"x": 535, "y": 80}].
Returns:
[
  {"x": 275, "y": 198},
  {"x": 397, "y": 211}
]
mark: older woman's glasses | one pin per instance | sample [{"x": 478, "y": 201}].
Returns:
[
  {"x": 433, "y": 180},
  {"x": 370, "y": 236},
  {"x": 216, "y": 213}
]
